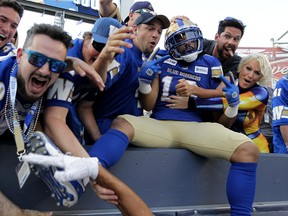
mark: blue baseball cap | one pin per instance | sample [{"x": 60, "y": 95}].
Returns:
[
  {"x": 146, "y": 6},
  {"x": 103, "y": 28},
  {"x": 146, "y": 18}
]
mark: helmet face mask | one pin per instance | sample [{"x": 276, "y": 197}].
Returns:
[{"x": 184, "y": 40}]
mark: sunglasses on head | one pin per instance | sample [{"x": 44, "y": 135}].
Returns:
[
  {"x": 38, "y": 60},
  {"x": 98, "y": 46},
  {"x": 143, "y": 10},
  {"x": 233, "y": 19}
]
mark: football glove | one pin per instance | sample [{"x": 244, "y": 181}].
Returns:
[
  {"x": 150, "y": 69},
  {"x": 74, "y": 168},
  {"x": 231, "y": 91}
]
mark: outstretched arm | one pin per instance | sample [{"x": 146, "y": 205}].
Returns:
[
  {"x": 83, "y": 69},
  {"x": 129, "y": 203},
  {"x": 59, "y": 132}
]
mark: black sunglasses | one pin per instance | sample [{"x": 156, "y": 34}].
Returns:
[
  {"x": 98, "y": 46},
  {"x": 38, "y": 60}
]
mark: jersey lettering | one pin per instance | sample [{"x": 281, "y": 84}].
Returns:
[
  {"x": 277, "y": 111},
  {"x": 61, "y": 90},
  {"x": 277, "y": 92},
  {"x": 166, "y": 86}
]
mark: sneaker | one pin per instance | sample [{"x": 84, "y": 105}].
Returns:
[{"x": 65, "y": 193}]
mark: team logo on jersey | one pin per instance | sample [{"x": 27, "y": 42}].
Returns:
[
  {"x": 217, "y": 71},
  {"x": 170, "y": 61},
  {"x": 201, "y": 70},
  {"x": 113, "y": 68},
  {"x": 2, "y": 90}
]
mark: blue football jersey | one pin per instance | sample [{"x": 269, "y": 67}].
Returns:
[
  {"x": 280, "y": 113},
  {"x": 203, "y": 72},
  {"x": 121, "y": 89}
]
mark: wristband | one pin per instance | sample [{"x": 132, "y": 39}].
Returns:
[
  {"x": 144, "y": 88},
  {"x": 231, "y": 112},
  {"x": 191, "y": 103}
]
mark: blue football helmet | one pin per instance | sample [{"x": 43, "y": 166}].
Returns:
[{"x": 184, "y": 40}]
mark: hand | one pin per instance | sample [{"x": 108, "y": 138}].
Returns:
[
  {"x": 104, "y": 193},
  {"x": 186, "y": 88},
  {"x": 83, "y": 69},
  {"x": 231, "y": 91},
  {"x": 177, "y": 102},
  {"x": 74, "y": 168},
  {"x": 150, "y": 69},
  {"x": 116, "y": 42}
]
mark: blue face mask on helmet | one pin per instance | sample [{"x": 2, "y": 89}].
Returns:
[{"x": 184, "y": 40}]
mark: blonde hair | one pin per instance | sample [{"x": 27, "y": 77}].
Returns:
[{"x": 265, "y": 67}]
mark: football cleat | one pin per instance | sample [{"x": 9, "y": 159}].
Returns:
[{"x": 65, "y": 193}]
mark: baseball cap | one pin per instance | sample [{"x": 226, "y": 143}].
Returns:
[
  {"x": 103, "y": 28},
  {"x": 138, "y": 6},
  {"x": 145, "y": 18}
]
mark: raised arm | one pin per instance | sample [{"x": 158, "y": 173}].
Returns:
[
  {"x": 113, "y": 46},
  {"x": 109, "y": 9}
]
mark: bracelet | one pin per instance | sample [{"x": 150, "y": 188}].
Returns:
[{"x": 191, "y": 103}]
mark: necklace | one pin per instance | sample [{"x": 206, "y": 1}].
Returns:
[{"x": 8, "y": 110}]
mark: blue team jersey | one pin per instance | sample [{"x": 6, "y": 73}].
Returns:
[
  {"x": 70, "y": 86},
  {"x": 203, "y": 72},
  {"x": 121, "y": 89},
  {"x": 280, "y": 113}
]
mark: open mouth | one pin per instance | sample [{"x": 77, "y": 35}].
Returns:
[
  {"x": 38, "y": 84},
  {"x": 230, "y": 52},
  {"x": 2, "y": 37},
  {"x": 247, "y": 81}
]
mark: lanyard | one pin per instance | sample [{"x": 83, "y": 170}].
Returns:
[{"x": 29, "y": 117}]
